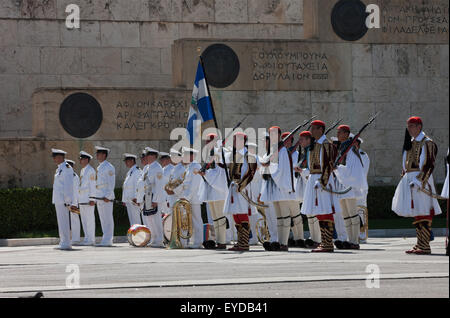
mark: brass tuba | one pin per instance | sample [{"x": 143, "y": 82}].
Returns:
[
  {"x": 181, "y": 223},
  {"x": 262, "y": 230}
]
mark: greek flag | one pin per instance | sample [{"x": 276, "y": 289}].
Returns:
[{"x": 201, "y": 105}]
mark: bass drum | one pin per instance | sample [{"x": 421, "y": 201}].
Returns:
[
  {"x": 139, "y": 235},
  {"x": 167, "y": 228}
]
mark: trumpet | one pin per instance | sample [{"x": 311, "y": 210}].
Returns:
[{"x": 181, "y": 224}]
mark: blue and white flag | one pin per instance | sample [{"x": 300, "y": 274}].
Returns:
[{"x": 201, "y": 105}]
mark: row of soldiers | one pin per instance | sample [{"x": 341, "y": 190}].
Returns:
[{"x": 237, "y": 185}]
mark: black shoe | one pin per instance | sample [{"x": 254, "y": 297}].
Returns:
[
  {"x": 267, "y": 246},
  {"x": 275, "y": 246},
  {"x": 347, "y": 245},
  {"x": 300, "y": 243},
  {"x": 292, "y": 243},
  {"x": 309, "y": 243},
  {"x": 339, "y": 244},
  {"x": 209, "y": 245}
]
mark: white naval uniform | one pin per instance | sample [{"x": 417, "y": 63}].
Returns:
[
  {"x": 352, "y": 175},
  {"x": 129, "y": 193},
  {"x": 75, "y": 218},
  {"x": 106, "y": 180},
  {"x": 167, "y": 171},
  {"x": 189, "y": 190},
  {"x": 213, "y": 190},
  {"x": 62, "y": 198},
  {"x": 149, "y": 190},
  {"x": 86, "y": 190},
  {"x": 327, "y": 203},
  {"x": 280, "y": 190},
  {"x": 423, "y": 204},
  {"x": 176, "y": 174}
]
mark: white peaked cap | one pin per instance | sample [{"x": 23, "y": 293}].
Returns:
[
  {"x": 99, "y": 148},
  {"x": 164, "y": 154},
  {"x": 175, "y": 152},
  {"x": 251, "y": 144},
  {"x": 84, "y": 153},
  {"x": 70, "y": 161},
  {"x": 58, "y": 152},
  {"x": 333, "y": 139},
  {"x": 361, "y": 140},
  {"x": 129, "y": 155},
  {"x": 186, "y": 149},
  {"x": 149, "y": 149}
]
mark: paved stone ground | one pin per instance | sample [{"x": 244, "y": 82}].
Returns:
[{"x": 123, "y": 271}]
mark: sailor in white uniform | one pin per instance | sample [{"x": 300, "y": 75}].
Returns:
[
  {"x": 86, "y": 191},
  {"x": 62, "y": 197},
  {"x": 75, "y": 227},
  {"x": 149, "y": 196},
  {"x": 129, "y": 189},
  {"x": 106, "y": 181}
]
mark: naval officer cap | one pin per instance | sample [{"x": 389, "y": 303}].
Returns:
[
  {"x": 175, "y": 152},
  {"x": 164, "y": 154},
  {"x": 102, "y": 149},
  {"x": 71, "y": 162},
  {"x": 150, "y": 151},
  {"x": 188, "y": 150},
  {"x": 56, "y": 152},
  {"x": 127, "y": 156},
  {"x": 85, "y": 155}
]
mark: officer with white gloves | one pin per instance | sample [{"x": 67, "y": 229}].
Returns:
[
  {"x": 106, "y": 180},
  {"x": 75, "y": 225},
  {"x": 62, "y": 197},
  {"x": 149, "y": 196},
  {"x": 86, "y": 191},
  {"x": 129, "y": 189}
]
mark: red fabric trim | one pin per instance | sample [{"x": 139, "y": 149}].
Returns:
[
  {"x": 325, "y": 217},
  {"x": 424, "y": 217},
  {"x": 239, "y": 218}
]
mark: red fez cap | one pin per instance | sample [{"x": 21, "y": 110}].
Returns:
[
  {"x": 344, "y": 127},
  {"x": 211, "y": 136},
  {"x": 306, "y": 133},
  {"x": 415, "y": 120},
  {"x": 318, "y": 123},
  {"x": 275, "y": 128},
  {"x": 285, "y": 134}
]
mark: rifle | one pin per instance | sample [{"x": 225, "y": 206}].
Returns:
[
  {"x": 282, "y": 143},
  {"x": 113, "y": 201},
  {"x": 334, "y": 125},
  {"x": 348, "y": 145},
  {"x": 207, "y": 165}
]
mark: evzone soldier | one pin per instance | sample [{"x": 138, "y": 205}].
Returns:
[
  {"x": 317, "y": 201},
  {"x": 106, "y": 180},
  {"x": 188, "y": 190},
  {"x": 86, "y": 191},
  {"x": 278, "y": 188},
  {"x": 62, "y": 197},
  {"x": 213, "y": 190},
  {"x": 129, "y": 189},
  {"x": 241, "y": 173},
  {"x": 75, "y": 227},
  {"x": 413, "y": 196},
  {"x": 254, "y": 193},
  {"x": 350, "y": 174},
  {"x": 271, "y": 217},
  {"x": 302, "y": 175},
  {"x": 149, "y": 196},
  {"x": 296, "y": 217},
  {"x": 363, "y": 192}
]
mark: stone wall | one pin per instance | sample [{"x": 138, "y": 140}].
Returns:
[{"x": 128, "y": 44}]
